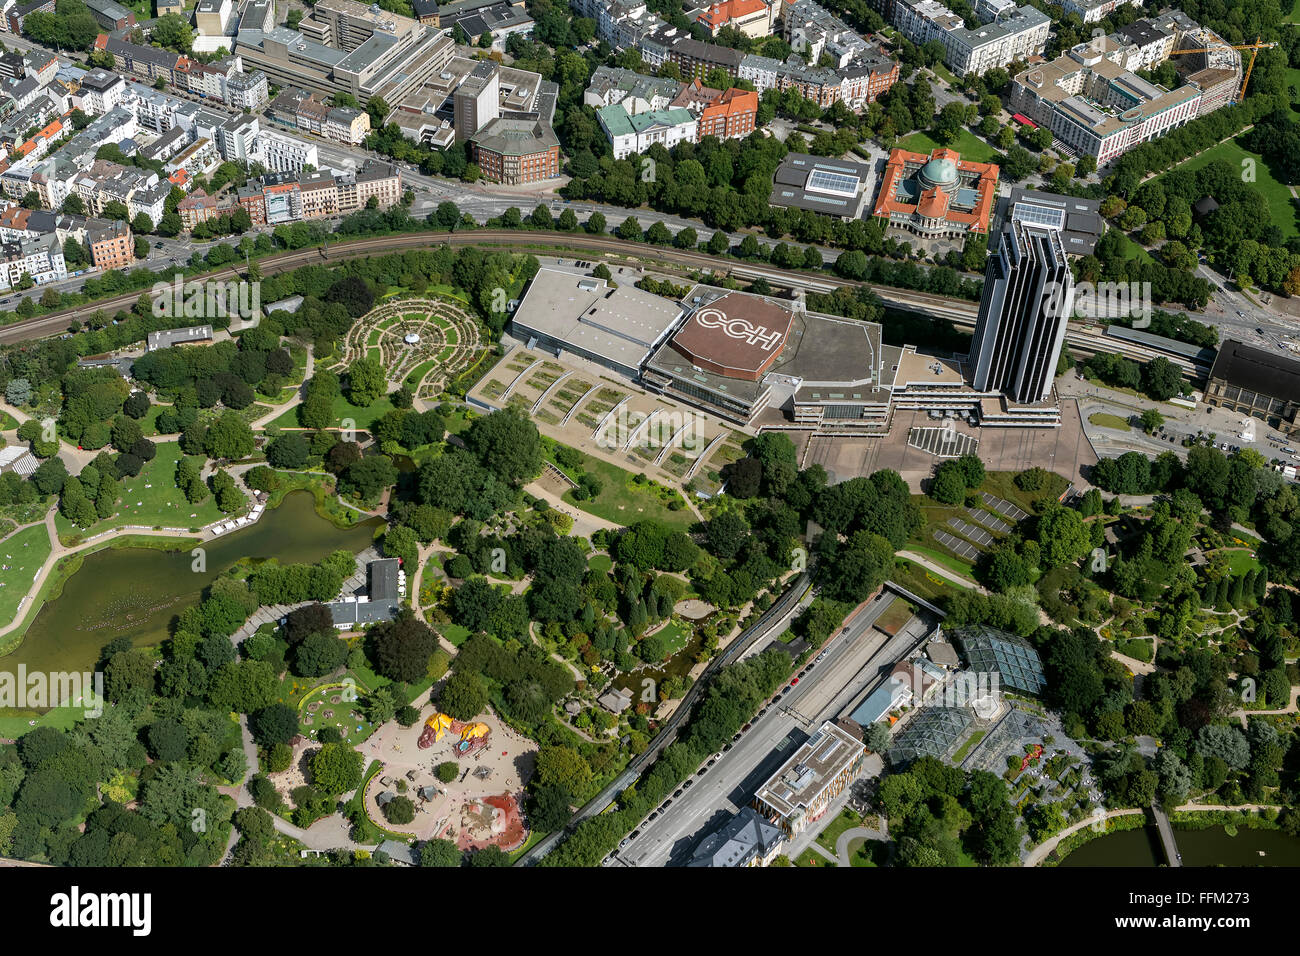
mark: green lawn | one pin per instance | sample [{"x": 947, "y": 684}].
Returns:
[
  {"x": 151, "y": 499},
  {"x": 456, "y": 634},
  {"x": 677, "y": 635},
  {"x": 362, "y": 418},
  {"x": 1133, "y": 250},
  {"x": 846, "y": 820},
  {"x": 1106, "y": 420},
  {"x": 1282, "y": 208},
  {"x": 860, "y": 852},
  {"x": 625, "y": 502},
  {"x": 967, "y": 143},
  {"x": 600, "y": 562},
  {"x": 21, "y": 557},
  {"x": 1240, "y": 562}
]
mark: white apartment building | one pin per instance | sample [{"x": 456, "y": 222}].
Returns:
[
  {"x": 101, "y": 91},
  {"x": 812, "y": 31},
  {"x": 1090, "y": 11},
  {"x": 283, "y": 154},
  {"x": 1015, "y": 34},
  {"x": 41, "y": 258}
]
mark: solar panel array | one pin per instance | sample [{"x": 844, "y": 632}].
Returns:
[
  {"x": 942, "y": 442},
  {"x": 825, "y": 181},
  {"x": 988, "y": 521},
  {"x": 968, "y": 530},
  {"x": 1038, "y": 215},
  {"x": 1004, "y": 507},
  {"x": 963, "y": 549},
  {"x": 1016, "y": 663}
]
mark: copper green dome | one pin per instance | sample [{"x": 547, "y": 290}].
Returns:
[{"x": 939, "y": 172}]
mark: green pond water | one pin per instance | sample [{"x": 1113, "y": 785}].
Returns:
[
  {"x": 1210, "y": 847},
  {"x": 138, "y": 592}
]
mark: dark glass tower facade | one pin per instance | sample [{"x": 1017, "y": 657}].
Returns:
[{"x": 1024, "y": 310}]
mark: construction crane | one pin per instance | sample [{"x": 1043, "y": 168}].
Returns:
[{"x": 1254, "y": 49}]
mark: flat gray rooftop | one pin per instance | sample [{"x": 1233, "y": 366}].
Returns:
[{"x": 619, "y": 324}]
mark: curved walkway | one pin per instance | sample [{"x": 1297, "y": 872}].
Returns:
[
  {"x": 1044, "y": 849},
  {"x": 854, "y": 833}
]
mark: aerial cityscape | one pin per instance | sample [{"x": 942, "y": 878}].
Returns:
[{"x": 649, "y": 434}]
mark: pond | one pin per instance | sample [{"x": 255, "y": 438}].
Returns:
[
  {"x": 1209, "y": 847},
  {"x": 679, "y": 665},
  {"x": 138, "y": 592}
]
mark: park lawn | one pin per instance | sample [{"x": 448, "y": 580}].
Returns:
[
  {"x": 21, "y": 556},
  {"x": 7, "y": 422},
  {"x": 149, "y": 424},
  {"x": 151, "y": 499},
  {"x": 1282, "y": 208},
  {"x": 860, "y": 852},
  {"x": 421, "y": 370},
  {"x": 1002, "y": 484},
  {"x": 459, "y": 420},
  {"x": 811, "y": 857},
  {"x": 1133, "y": 250},
  {"x": 1240, "y": 562},
  {"x": 1107, "y": 420},
  {"x": 967, "y": 143},
  {"x": 923, "y": 582},
  {"x": 962, "y": 569},
  {"x": 362, "y": 418},
  {"x": 456, "y": 634},
  {"x": 600, "y": 562},
  {"x": 623, "y": 502},
  {"x": 846, "y": 819},
  {"x": 60, "y": 718},
  {"x": 676, "y": 635}
]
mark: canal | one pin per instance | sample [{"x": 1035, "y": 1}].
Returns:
[{"x": 138, "y": 592}]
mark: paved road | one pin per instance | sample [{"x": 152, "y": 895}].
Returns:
[{"x": 853, "y": 662}]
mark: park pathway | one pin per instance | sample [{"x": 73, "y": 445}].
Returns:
[
  {"x": 1044, "y": 849},
  {"x": 854, "y": 833}
]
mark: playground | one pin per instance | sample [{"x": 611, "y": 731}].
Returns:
[{"x": 482, "y": 806}]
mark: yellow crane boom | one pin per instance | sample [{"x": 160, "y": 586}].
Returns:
[{"x": 1254, "y": 49}]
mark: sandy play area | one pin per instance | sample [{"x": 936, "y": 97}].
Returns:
[{"x": 478, "y": 808}]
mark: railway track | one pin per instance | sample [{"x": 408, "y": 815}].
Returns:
[{"x": 959, "y": 312}]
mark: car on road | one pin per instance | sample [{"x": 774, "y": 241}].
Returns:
[
  {"x": 1259, "y": 331},
  {"x": 687, "y": 784},
  {"x": 624, "y": 842},
  {"x": 634, "y": 834},
  {"x": 793, "y": 682},
  {"x": 745, "y": 728},
  {"x": 729, "y": 746},
  {"x": 820, "y": 656},
  {"x": 157, "y": 245},
  {"x": 666, "y": 804},
  {"x": 652, "y": 816}
]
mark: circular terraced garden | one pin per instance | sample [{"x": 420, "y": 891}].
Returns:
[{"x": 420, "y": 342}]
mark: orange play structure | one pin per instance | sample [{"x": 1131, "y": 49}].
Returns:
[{"x": 472, "y": 736}]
